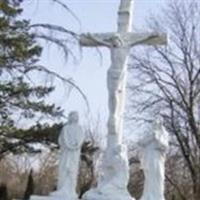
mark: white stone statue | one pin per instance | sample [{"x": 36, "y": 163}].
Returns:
[
  {"x": 70, "y": 140},
  {"x": 119, "y": 44},
  {"x": 153, "y": 150}
]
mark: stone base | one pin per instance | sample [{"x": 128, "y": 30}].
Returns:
[
  {"x": 57, "y": 195},
  {"x": 35, "y": 197},
  {"x": 114, "y": 195},
  {"x": 109, "y": 198},
  {"x": 112, "y": 185}
]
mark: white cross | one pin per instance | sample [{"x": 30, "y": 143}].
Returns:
[
  {"x": 119, "y": 44},
  {"x": 113, "y": 184}
]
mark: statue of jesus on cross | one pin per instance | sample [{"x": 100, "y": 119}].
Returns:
[{"x": 119, "y": 44}]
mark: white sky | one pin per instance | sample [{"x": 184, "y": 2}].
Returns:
[{"x": 89, "y": 74}]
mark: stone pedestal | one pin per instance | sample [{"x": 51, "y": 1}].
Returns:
[
  {"x": 114, "y": 196},
  {"x": 113, "y": 183},
  {"x": 35, "y": 197}
]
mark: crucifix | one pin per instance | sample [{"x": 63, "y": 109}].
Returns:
[{"x": 119, "y": 43}]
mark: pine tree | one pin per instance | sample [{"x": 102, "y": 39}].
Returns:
[{"x": 19, "y": 97}]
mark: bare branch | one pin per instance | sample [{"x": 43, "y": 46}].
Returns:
[{"x": 68, "y": 81}]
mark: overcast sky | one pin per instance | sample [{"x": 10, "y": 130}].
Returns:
[{"x": 88, "y": 74}]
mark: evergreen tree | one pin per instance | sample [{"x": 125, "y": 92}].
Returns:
[{"x": 20, "y": 98}]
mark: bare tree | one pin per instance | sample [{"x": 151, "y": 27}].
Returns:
[{"x": 168, "y": 83}]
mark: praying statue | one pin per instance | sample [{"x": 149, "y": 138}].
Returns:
[
  {"x": 70, "y": 140},
  {"x": 153, "y": 151}
]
